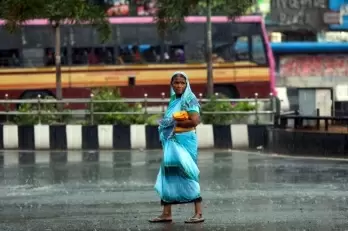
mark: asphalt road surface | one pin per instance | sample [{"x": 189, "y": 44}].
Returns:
[{"x": 114, "y": 191}]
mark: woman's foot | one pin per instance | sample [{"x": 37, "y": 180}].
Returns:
[
  {"x": 162, "y": 218},
  {"x": 197, "y": 218}
]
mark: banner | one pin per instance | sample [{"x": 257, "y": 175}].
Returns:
[
  {"x": 308, "y": 66},
  {"x": 301, "y": 14}
]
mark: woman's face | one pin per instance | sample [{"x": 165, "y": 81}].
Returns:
[{"x": 179, "y": 84}]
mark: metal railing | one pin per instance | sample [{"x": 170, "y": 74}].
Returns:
[
  {"x": 146, "y": 104},
  {"x": 296, "y": 121},
  {"x": 325, "y": 123}
]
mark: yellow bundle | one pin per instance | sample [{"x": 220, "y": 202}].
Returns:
[{"x": 181, "y": 115}]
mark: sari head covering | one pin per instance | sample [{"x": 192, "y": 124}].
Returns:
[
  {"x": 188, "y": 98},
  {"x": 178, "y": 177}
]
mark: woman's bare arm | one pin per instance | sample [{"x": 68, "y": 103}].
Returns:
[{"x": 193, "y": 121}]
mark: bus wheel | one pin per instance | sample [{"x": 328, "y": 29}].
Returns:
[
  {"x": 227, "y": 91},
  {"x": 34, "y": 95}
]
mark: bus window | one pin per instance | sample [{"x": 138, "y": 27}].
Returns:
[
  {"x": 33, "y": 57},
  {"x": 106, "y": 55},
  {"x": 242, "y": 49},
  {"x": 193, "y": 40},
  {"x": 38, "y": 36},
  {"x": 195, "y": 52},
  {"x": 151, "y": 54},
  {"x": 243, "y": 43},
  {"x": 258, "y": 52},
  {"x": 93, "y": 56},
  {"x": 237, "y": 49},
  {"x": 140, "y": 44},
  {"x": 50, "y": 59},
  {"x": 138, "y": 54},
  {"x": 230, "y": 42},
  {"x": 9, "y": 58},
  {"x": 130, "y": 34},
  {"x": 145, "y": 34},
  {"x": 176, "y": 54}
]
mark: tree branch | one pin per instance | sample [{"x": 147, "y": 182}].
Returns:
[
  {"x": 171, "y": 13},
  {"x": 15, "y": 12}
]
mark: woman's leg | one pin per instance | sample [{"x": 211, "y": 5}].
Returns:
[
  {"x": 166, "y": 215},
  {"x": 198, "y": 209},
  {"x": 198, "y": 217},
  {"x": 167, "y": 212}
]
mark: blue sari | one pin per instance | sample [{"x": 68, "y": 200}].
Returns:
[{"x": 178, "y": 177}]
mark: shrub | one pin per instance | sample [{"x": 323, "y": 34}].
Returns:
[
  {"x": 110, "y": 118},
  {"x": 48, "y": 116},
  {"x": 223, "y": 119},
  {"x": 242, "y": 107}
]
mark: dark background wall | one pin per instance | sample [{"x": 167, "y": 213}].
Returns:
[{"x": 308, "y": 143}]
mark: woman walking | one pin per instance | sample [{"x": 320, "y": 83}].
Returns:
[{"x": 178, "y": 178}]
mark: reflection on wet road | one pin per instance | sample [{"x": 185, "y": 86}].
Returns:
[{"x": 114, "y": 191}]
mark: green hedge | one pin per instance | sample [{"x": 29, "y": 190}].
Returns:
[
  {"x": 46, "y": 116},
  {"x": 114, "y": 94},
  {"x": 223, "y": 119}
]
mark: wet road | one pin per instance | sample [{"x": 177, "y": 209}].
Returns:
[{"x": 114, "y": 191}]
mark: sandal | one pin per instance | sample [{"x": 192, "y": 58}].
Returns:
[
  {"x": 160, "y": 220},
  {"x": 195, "y": 220}
]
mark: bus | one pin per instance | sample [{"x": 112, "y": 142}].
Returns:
[
  {"x": 309, "y": 66},
  {"x": 136, "y": 59}
]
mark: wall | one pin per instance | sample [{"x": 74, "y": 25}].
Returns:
[
  {"x": 309, "y": 143},
  {"x": 93, "y": 137}
]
